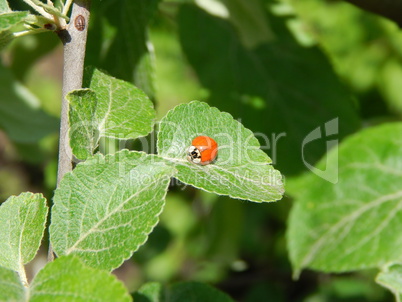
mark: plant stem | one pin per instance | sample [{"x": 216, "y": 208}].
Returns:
[
  {"x": 22, "y": 275},
  {"x": 74, "y": 41}
]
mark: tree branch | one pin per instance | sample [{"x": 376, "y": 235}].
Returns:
[{"x": 74, "y": 39}]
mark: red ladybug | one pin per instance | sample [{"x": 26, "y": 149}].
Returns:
[{"x": 203, "y": 150}]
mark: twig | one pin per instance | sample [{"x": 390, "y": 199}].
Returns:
[{"x": 74, "y": 39}]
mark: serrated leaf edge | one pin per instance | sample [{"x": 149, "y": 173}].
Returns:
[
  {"x": 228, "y": 117},
  {"x": 156, "y": 217}
]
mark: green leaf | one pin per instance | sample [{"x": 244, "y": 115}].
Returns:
[
  {"x": 68, "y": 279},
  {"x": 195, "y": 292},
  {"x": 123, "y": 110},
  {"x": 23, "y": 220},
  {"x": 4, "y": 8},
  {"x": 352, "y": 224},
  {"x": 391, "y": 278},
  {"x": 149, "y": 292},
  {"x": 242, "y": 170},
  {"x": 279, "y": 88},
  {"x": 112, "y": 108},
  {"x": 11, "y": 288},
  {"x": 105, "y": 209},
  {"x": 20, "y": 115},
  {"x": 84, "y": 137},
  {"x": 7, "y": 21}
]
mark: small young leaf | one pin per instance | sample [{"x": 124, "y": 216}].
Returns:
[
  {"x": 111, "y": 108},
  {"x": 68, "y": 279},
  {"x": 84, "y": 138},
  {"x": 352, "y": 224},
  {"x": 105, "y": 209},
  {"x": 11, "y": 288},
  {"x": 22, "y": 222},
  {"x": 242, "y": 170},
  {"x": 391, "y": 278}
]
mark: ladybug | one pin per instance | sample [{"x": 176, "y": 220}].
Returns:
[{"x": 203, "y": 150}]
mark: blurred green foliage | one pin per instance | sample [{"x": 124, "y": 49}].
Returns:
[
  {"x": 282, "y": 68},
  {"x": 272, "y": 87}
]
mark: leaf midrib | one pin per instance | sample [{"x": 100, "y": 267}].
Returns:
[{"x": 107, "y": 216}]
